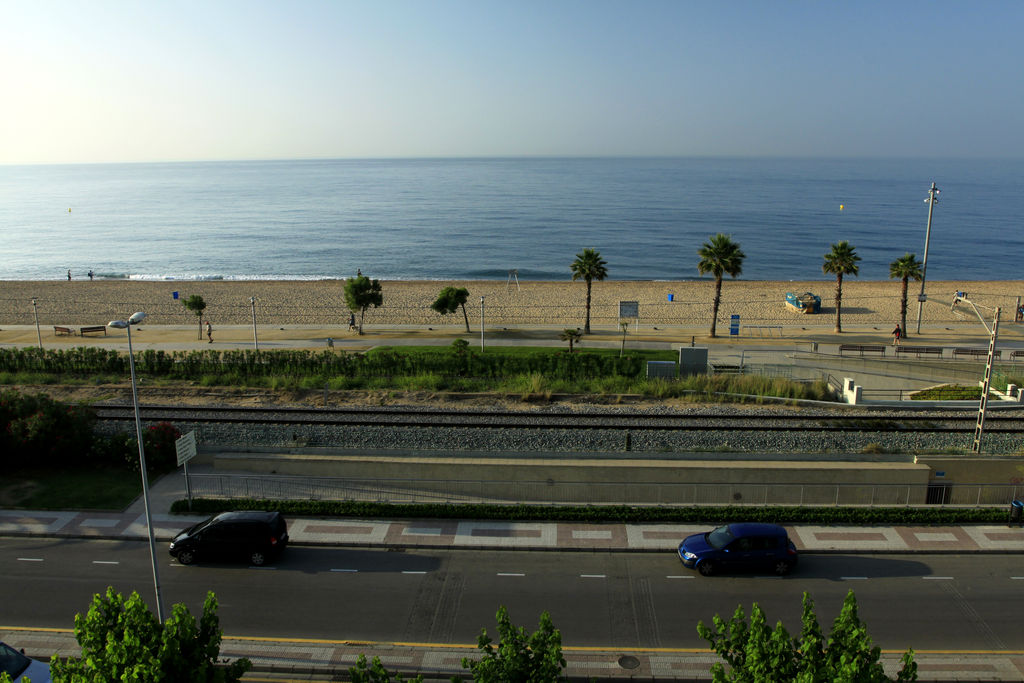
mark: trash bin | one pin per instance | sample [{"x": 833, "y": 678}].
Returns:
[
  {"x": 671, "y": 297},
  {"x": 1016, "y": 512}
]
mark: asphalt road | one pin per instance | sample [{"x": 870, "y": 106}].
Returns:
[{"x": 929, "y": 602}]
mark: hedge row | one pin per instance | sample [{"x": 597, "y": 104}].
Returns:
[
  {"x": 85, "y": 361},
  {"x": 607, "y": 514}
]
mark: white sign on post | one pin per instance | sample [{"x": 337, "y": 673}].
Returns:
[{"x": 186, "y": 447}]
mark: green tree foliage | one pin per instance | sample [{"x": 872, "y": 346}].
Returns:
[
  {"x": 450, "y": 300},
  {"x": 906, "y": 268},
  {"x": 122, "y": 640},
  {"x": 35, "y": 428},
  {"x": 719, "y": 256},
  {"x": 570, "y": 335},
  {"x": 757, "y": 653},
  {"x": 841, "y": 260},
  {"x": 376, "y": 673},
  {"x": 588, "y": 266},
  {"x": 520, "y": 657},
  {"x": 360, "y": 293},
  {"x": 196, "y": 304}
]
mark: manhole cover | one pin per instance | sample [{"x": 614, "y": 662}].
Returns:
[{"x": 629, "y": 662}]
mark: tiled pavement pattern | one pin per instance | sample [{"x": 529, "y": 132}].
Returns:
[{"x": 525, "y": 535}]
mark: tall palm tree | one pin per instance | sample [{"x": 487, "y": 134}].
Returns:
[
  {"x": 719, "y": 256},
  {"x": 905, "y": 268},
  {"x": 589, "y": 266},
  {"x": 842, "y": 260}
]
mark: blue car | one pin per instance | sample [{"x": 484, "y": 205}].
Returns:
[{"x": 739, "y": 547}]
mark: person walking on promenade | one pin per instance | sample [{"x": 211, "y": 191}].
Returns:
[
  {"x": 896, "y": 334},
  {"x": 351, "y": 321},
  {"x": 209, "y": 332}
]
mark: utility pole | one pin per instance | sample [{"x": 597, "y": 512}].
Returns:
[{"x": 933, "y": 196}]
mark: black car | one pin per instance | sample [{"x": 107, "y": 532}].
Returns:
[{"x": 251, "y": 535}]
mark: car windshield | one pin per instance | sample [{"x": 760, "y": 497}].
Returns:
[
  {"x": 12, "y": 662},
  {"x": 719, "y": 538}
]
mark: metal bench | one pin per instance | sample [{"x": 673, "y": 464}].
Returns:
[
  {"x": 861, "y": 349},
  {"x": 63, "y": 331},
  {"x": 919, "y": 351},
  {"x": 976, "y": 353},
  {"x": 1019, "y": 353},
  {"x": 96, "y": 328}
]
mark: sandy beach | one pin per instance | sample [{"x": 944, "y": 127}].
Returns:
[{"x": 320, "y": 303}]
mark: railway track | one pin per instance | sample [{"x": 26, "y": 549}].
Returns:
[{"x": 934, "y": 422}]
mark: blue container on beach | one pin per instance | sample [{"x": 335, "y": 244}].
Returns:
[{"x": 671, "y": 297}]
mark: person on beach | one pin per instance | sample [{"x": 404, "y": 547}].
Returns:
[
  {"x": 209, "y": 332},
  {"x": 69, "y": 275},
  {"x": 90, "y": 276},
  {"x": 896, "y": 334}
]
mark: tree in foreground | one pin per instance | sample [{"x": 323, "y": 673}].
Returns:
[
  {"x": 906, "y": 268},
  {"x": 360, "y": 293},
  {"x": 196, "y": 304},
  {"x": 719, "y": 256},
  {"x": 842, "y": 260},
  {"x": 588, "y": 266},
  {"x": 756, "y": 653},
  {"x": 519, "y": 656},
  {"x": 570, "y": 335},
  {"x": 450, "y": 300},
  {"x": 122, "y": 640}
]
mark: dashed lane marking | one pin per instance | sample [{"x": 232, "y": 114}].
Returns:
[
  {"x": 510, "y": 574},
  {"x": 937, "y": 578},
  {"x": 105, "y": 562},
  {"x": 679, "y": 576},
  {"x": 593, "y": 576},
  {"x": 30, "y": 559},
  {"x": 346, "y": 571}
]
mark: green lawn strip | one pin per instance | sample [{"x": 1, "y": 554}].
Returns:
[
  {"x": 645, "y": 354},
  {"x": 608, "y": 513},
  {"x": 70, "y": 489}
]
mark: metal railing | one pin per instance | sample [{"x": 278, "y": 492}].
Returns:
[{"x": 280, "y": 487}]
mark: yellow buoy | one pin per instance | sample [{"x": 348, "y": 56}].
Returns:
[{"x": 840, "y": 207}]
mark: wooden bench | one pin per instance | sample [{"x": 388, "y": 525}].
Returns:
[
  {"x": 919, "y": 351},
  {"x": 861, "y": 349},
  {"x": 61, "y": 331},
  {"x": 976, "y": 353},
  {"x": 97, "y": 328}
]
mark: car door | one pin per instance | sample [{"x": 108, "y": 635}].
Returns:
[
  {"x": 739, "y": 553},
  {"x": 217, "y": 541}
]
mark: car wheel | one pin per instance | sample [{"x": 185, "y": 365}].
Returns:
[
  {"x": 782, "y": 567},
  {"x": 706, "y": 568},
  {"x": 257, "y": 558},
  {"x": 186, "y": 557}
]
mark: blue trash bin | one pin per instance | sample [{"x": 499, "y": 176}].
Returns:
[
  {"x": 1016, "y": 512},
  {"x": 671, "y": 297}
]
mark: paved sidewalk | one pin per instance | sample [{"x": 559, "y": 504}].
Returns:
[{"x": 562, "y": 536}]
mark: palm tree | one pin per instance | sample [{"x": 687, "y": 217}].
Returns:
[
  {"x": 905, "y": 268},
  {"x": 719, "y": 256},
  {"x": 588, "y": 266},
  {"x": 570, "y": 335},
  {"x": 842, "y": 260}
]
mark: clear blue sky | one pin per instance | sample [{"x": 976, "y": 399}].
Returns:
[{"x": 102, "y": 81}]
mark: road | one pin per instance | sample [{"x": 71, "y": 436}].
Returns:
[{"x": 929, "y": 602}]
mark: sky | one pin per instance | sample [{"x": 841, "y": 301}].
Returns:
[{"x": 128, "y": 81}]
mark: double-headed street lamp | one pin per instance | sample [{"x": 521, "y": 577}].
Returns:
[{"x": 127, "y": 325}]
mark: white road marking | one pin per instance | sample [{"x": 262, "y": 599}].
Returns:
[
  {"x": 349, "y": 571},
  {"x": 687, "y": 576},
  {"x": 410, "y": 572},
  {"x": 30, "y": 559},
  {"x": 105, "y": 562},
  {"x": 1017, "y": 578},
  {"x": 938, "y": 578},
  {"x": 593, "y": 576},
  {"x": 510, "y": 574},
  {"x": 853, "y": 578},
  {"x": 253, "y": 566}
]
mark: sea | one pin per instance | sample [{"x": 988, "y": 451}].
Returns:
[{"x": 484, "y": 218}]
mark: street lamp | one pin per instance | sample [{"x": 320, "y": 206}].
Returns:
[
  {"x": 933, "y": 196},
  {"x": 481, "y": 323},
  {"x": 35, "y": 312},
  {"x": 127, "y": 325}
]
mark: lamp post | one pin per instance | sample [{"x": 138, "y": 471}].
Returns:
[
  {"x": 255, "y": 339},
  {"x": 933, "y": 196},
  {"x": 35, "y": 312},
  {"x": 481, "y": 323},
  {"x": 135, "y": 319}
]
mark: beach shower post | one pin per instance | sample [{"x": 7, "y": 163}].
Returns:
[
  {"x": 135, "y": 319},
  {"x": 933, "y": 196}
]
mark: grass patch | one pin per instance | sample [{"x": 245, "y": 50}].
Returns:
[{"x": 70, "y": 489}]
